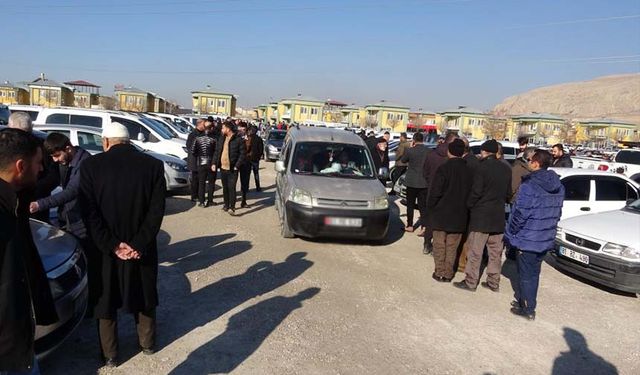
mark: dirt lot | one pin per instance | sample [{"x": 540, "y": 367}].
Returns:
[{"x": 235, "y": 297}]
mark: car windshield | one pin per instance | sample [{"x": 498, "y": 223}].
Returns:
[
  {"x": 628, "y": 157},
  {"x": 160, "y": 128},
  {"x": 332, "y": 159},
  {"x": 4, "y": 115},
  {"x": 278, "y": 136}
]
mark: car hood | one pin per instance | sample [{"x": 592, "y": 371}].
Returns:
[
  {"x": 178, "y": 141},
  {"x": 339, "y": 188},
  {"x": 165, "y": 158},
  {"x": 611, "y": 226},
  {"x": 54, "y": 246}
]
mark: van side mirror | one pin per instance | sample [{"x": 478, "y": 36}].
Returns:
[
  {"x": 383, "y": 173},
  {"x": 141, "y": 137},
  {"x": 279, "y": 166}
]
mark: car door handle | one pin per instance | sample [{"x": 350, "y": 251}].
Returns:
[{"x": 585, "y": 208}]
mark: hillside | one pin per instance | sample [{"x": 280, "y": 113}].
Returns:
[{"x": 615, "y": 96}]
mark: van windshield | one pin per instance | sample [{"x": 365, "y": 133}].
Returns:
[
  {"x": 332, "y": 160},
  {"x": 158, "y": 127}
]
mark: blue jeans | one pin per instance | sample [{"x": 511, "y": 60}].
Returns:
[
  {"x": 529, "y": 264},
  {"x": 35, "y": 370}
]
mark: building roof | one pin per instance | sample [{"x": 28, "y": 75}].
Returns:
[
  {"x": 537, "y": 116},
  {"x": 605, "y": 121},
  {"x": 211, "y": 92},
  {"x": 302, "y": 98},
  {"x": 81, "y": 83},
  {"x": 48, "y": 83},
  {"x": 17, "y": 85},
  {"x": 335, "y": 103},
  {"x": 133, "y": 90},
  {"x": 465, "y": 110},
  {"x": 423, "y": 113},
  {"x": 386, "y": 104}
]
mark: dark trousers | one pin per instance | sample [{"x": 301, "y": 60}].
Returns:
[
  {"x": 477, "y": 242},
  {"x": 421, "y": 195},
  {"x": 445, "y": 250},
  {"x": 108, "y": 332},
  {"x": 529, "y": 264},
  {"x": 245, "y": 177},
  {"x": 229, "y": 182},
  {"x": 255, "y": 167},
  {"x": 206, "y": 181},
  {"x": 194, "y": 185}
]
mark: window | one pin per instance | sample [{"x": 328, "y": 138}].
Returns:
[
  {"x": 332, "y": 160},
  {"x": 58, "y": 118},
  {"x": 222, "y": 103},
  {"x": 628, "y": 157},
  {"x": 90, "y": 142},
  {"x": 1, "y": 94},
  {"x": 303, "y": 110},
  {"x": 472, "y": 122},
  {"x": 66, "y": 133},
  {"x": 135, "y": 128},
  {"x": 577, "y": 188},
  {"x": 314, "y": 111},
  {"x": 86, "y": 120},
  {"x": 613, "y": 189}
]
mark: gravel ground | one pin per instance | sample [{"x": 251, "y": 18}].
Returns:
[{"x": 236, "y": 297}]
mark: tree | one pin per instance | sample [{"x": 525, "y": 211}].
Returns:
[
  {"x": 568, "y": 133},
  {"x": 494, "y": 128},
  {"x": 369, "y": 121}
]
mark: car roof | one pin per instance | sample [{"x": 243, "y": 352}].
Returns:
[
  {"x": 503, "y": 143},
  {"x": 69, "y": 127},
  {"x": 315, "y": 134},
  {"x": 565, "y": 172},
  {"x": 37, "y": 133}
]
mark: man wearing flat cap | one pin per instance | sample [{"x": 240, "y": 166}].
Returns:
[
  {"x": 122, "y": 195},
  {"x": 490, "y": 191}
]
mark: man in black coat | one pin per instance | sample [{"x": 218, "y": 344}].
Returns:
[
  {"x": 230, "y": 156},
  {"x": 24, "y": 291},
  {"x": 122, "y": 194},
  {"x": 191, "y": 158},
  {"x": 490, "y": 192},
  {"x": 447, "y": 205},
  {"x": 560, "y": 159},
  {"x": 414, "y": 180},
  {"x": 203, "y": 149},
  {"x": 257, "y": 150}
]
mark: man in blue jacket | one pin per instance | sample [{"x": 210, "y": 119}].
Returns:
[
  {"x": 532, "y": 227},
  {"x": 62, "y": 152}
]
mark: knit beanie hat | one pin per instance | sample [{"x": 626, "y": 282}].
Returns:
[
  {"x": 456, "y": 147},
  {"x": 490, "y": 146}
]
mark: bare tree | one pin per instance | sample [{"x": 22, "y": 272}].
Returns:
[
  {"x": 568, "y": 133},
  {"x": 369, "y": 121},
  {"x": 494, "y": 128}
]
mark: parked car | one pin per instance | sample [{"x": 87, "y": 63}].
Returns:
[
  {"x": 179, "y": 121},
  {"x": 626, "y": 162},
  {"x": 509, "y": 149},
  {"x": 176, "y": 172},
  {"x": 147, "y": 133},
  {"x": 31, "y": 110},
  {"x": 326, "y": 186},
  {"x": 66, "y": 267},
  {"x": 274, "y": 141},
  {"x": 4, "y": 114},
  {"x": 588, "y": 191},
  {"x": 176, "y": 131},
  {"x": 603, "y": 247}
]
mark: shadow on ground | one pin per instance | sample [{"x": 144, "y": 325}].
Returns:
[{"x": 580, "y": 359}]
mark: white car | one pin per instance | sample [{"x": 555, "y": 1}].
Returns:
[
  {"x": 176, "y": 172},
  {"x": 588, "y": 191},
  {"x": 626, "y": 162},
  {"x": 176, "y": 130},
  {"x": 603, "y": 247},
  {"x": 31, "y": 110},
  {"x": 509, "y": 149},
  {"x": 148, "y": 134}
]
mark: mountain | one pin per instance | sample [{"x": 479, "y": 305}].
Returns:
[{"x": 616, "y": 96}]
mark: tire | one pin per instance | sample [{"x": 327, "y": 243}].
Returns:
[{"x": 285, "y": 230}]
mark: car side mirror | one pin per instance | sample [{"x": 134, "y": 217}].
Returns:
[
  {"x": 141, "y": 137},
  {"x": 383, "y": 173},
  {"x": 279, "y": 166}
]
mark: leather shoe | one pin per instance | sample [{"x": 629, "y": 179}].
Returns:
[
  {"x": 464, "y": 286},
  {"x": 519, "y": 312},
  {"x": 110, "y": 362},
  {"x": 148, "y": 351},
  {"x": 486, "y": 285},
  {"x": 440, "y": 279},
  {"x": 201, "y": 205},
  {"x": 244, "y": 205},
  {"x": 516, "y": 304},
  {"x": 427, "y": 249}
]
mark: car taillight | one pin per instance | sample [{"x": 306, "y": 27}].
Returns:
[{"x": 603, "y": 167}]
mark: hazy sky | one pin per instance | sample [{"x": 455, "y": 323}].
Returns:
[{"x": 423, "y": 54}]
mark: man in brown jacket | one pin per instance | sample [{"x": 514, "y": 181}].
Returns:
[{"x": 520, "y": 169}]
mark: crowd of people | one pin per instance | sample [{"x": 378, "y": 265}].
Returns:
[{"x": 470, "y": 206}]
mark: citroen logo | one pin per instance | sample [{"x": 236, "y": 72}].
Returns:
[
  {"x": 343, "y": 204},
  {"x": 579, "y": 242}
]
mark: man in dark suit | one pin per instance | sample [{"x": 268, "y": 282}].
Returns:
[
  {"x": 122, "y": 195},
  {"x": 230, "y": 156},
  {"x": 25, "y": 296},
  {"x": 192, "y": 159},
  {"x": 414, "y": 157}
]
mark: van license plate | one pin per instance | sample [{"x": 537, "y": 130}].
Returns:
[
  {"x": 351, "y": 222},
  {"x": 573, "y": 255}
]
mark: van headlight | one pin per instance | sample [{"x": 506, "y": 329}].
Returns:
[
  {"x": 381, "y": 202},
  {"x": 559, "y": 233},
  {"x": 301, "y": 197},
  {"x": 621, "y": 251}
]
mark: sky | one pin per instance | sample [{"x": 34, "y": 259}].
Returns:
[{"x": 429, "y": 55}]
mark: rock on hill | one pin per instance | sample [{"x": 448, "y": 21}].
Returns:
[{"x": 615, "y": 96}]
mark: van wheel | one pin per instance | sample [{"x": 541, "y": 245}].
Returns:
[{"x": 285, "y": 230}]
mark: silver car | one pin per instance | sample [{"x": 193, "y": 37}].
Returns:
[
  {"x": 327, "y": 186},
  {"x": 176, "y": 172},
  {"x": 66, "y": 267}
]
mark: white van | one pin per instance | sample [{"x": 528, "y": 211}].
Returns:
[
  {"x": 31, "y": 110},
  {"x": 147, "y": 133}
]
